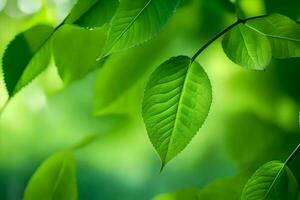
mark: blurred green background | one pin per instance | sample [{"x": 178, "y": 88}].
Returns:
[{"x": 253, "y": 119}]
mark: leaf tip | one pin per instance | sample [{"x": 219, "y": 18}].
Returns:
[{"x": 162, "y": 167}]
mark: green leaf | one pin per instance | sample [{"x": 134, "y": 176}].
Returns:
[
  {"x": 289, "y": 8},
  {"x": 92, "y": 13},
  {"x": 247, "y": 48},
  {"x": 228, "y": 5},
  {"x": 86, "y": 141},
  {"x": 136, "y": 22},
  {"x": 176, "y": 103},
  {"x": 29, "y": 53},
  {"x": 272, "y": 181},
  {"x": 76, "y": 50},
  {"x": 26, "y": 57},
  {"x": 187, "y": 194},
  {"x": 55, "y": 179},
  {"x": 228, "y": 188},
  {"x": 282, "y": 32},
  {"x": 128, "y": 68}
]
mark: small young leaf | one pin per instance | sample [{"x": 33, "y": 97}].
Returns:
[
  {"x": 136, "y": 22},
  {"x": 92, "y": 13},
  {"x": 55, "y": 179},
  {"x": 282, "y": 32},
  {"x": 247, "y": 48},
  {"x": 76, "y": 50},
  {"x": 176, "y": 103},
  {"x": 26, "y": 57},
  {"x": 272, "y": 181}
]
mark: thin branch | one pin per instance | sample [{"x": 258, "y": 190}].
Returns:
[
  {"x": 288, "y": 160},
  {"x": 293, "y": 155},
  {"x": 239, "y": 21},
  {"x": 38, "y": 49}
]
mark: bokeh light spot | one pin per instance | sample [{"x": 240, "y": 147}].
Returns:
[
  {"x": 29, "y": 6},
  {"x": 2, "y": 4}
]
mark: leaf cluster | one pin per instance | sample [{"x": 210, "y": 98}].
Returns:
[{"x": 178, "y": 95}]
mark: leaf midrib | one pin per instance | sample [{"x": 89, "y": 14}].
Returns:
[
  {"x": 130, "y": 24},
  {"x": 59, "y": 176},
  {"x": 273, "y": 36},
  {"x": 178, "y": 108},
  {"x": 45, "y": 42},
  {"x": 246, "y": 45},
  {"x": 274, "y": 181},
  {"x": 34, "y": 53}
]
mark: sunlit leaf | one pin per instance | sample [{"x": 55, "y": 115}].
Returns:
[
  {"x": 136, "y": 22},
  {"x": 55, "y": 179},
  {"x": 247, "y": 48},
  {"x": 26, "y": 57},
  {"x": 92, "y": 13},
  {"x": 272, "y": 181},
  {"x": 282, "y": 32},
  {"x": 76, "y": 50},
  {"x": 176, "y": 103}
]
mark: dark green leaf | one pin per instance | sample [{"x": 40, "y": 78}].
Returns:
[
  {"x": 26, "y": 57},
  {"x": 136, "y": 22},
  {"x": 92, "y": 13},
  {"x": 55, "y": 179},
  {"x": 76, "y": 50},
  {"x": 29, "y": 53},
  {"x": 282, "y": 32},
  {"x": 288, "y": 7},
  {"x": 176, "y": 103},
  {"x": 229, "y": 5},
  {"x": 247, "y": 48},
  {"x": 272, "y": 181}
]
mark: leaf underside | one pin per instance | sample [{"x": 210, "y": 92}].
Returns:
[
  {"x": 272, "y": 181},
  {"x": 55, "y": 179},
  {"x": 247, "y": 48},
  {"x": 136, "y": 22},
  {"x": 176, "y": 103},
  {"x": 252, "y": 44},
  {"x": 282, "y": 32}
]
